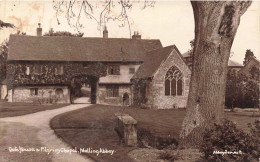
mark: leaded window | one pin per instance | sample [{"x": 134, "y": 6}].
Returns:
[
  {"x": 173, "y": 82},
  {"x": 112, "y": 90}
]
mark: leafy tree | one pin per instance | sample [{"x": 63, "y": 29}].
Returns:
[
  {"x": 63, "y": 33},
  {"x": 254, "y": 73},
  {"x": 241, "y": 91},
  {"x": 6, "y": 25},
  {"x": 249, "y": 54},
  {"x": 3, "y": 58}
]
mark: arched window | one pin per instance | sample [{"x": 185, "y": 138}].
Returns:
[
  {"x": 173, "y": 82},
  {"x": 59, "y": 93}
]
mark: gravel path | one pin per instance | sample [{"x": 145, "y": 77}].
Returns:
[{"x": 33, "y": 131}]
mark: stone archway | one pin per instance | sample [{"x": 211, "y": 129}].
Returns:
[{"x": 77, "y": 82}]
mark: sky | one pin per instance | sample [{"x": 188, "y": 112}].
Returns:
[{"x": 170, "y": 21}]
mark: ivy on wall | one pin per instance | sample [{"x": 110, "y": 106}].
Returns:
[{"x": 16, "y": 72}]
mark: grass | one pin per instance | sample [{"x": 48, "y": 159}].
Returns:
[
  {"x": 93, "y": 127},
  {"x": 10, "y": 109}
]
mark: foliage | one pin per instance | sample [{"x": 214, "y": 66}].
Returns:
[
  {"x": 248, "y": 56},
  {"x": 16, "y": 73},
  {"x": 169, "y": 156},
  {"x": 63, "y": 33},
  {"x": 3, "y": 58},
  {"x": 241, "y": 90},
  {"x": 6, "y": 25},
  {"x": 225, "y": 142}
]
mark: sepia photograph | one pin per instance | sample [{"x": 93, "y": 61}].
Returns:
[{"x": 129, "y": 80}]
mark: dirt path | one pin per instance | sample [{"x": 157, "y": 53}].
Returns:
[{"x": 33, "y": 131}]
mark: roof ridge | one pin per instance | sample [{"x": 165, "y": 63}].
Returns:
[{"x": 15, "y": 35}]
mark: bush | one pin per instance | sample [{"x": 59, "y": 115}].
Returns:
[
  {"x": 225, "y": 142},
  {"x": 169, "y": 156},
  {"x": 146, "y": 138}
]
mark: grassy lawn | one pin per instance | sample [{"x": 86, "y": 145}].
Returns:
[
  {"x": 93, "y": 127},
  {"x": 9, "y": 109}
]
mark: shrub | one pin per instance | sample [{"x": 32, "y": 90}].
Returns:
[
  {"x": 225, "y": 142},
  {"x": 169, "y": 156},
  {"x": 146, "y": 138}
]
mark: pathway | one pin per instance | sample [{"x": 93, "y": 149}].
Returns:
[{"x": 37, "y": 123}]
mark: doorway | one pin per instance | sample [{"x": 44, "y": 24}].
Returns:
[{"x": 125, "y": 99}]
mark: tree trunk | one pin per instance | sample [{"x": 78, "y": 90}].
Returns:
[{"x": 216, "y": 24}]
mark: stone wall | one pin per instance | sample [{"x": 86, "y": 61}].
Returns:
[
  {"x": 154, "y": 89},
  {"x": 103, "y": 99},
  {"x": 45, "y": 94},
  {"x": 156, "y": 96}
]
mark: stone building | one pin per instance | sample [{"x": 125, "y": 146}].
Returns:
[
  {"x": 44, "y": 69},
  {"x": 162, "y": 81}
]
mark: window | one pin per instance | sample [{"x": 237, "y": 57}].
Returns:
[
  {"x": 173, "y": 82},
  {"x": 112, "y": 91},
  {"x": 59, "y": 93},
  {"x": 131, "y": 70},
  {"x": 59, "y": 69},
  {"x": 33, "y": 91},
  {"x": 37, "y": 69},
  {"x": 114, "y": 70},
  {"x": 27, "y": 72}
]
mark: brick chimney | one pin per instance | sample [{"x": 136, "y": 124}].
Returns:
[
  {"x": 105, "y": 33},
  {"x": 136, "y": 35},
  {"x": 39, "y": 30}
]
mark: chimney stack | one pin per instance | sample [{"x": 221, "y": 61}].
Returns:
[
  {"x": 39, "y": 30},
  {"x": 105, "y": 32},
  {"x": 136, "y": 35}
]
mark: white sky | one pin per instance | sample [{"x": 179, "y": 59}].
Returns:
[{"x": 170, "y": 21}]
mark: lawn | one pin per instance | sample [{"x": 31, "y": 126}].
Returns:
[
  {"x": 10, "y": 109},
  {"x": 93, "y": 127}
]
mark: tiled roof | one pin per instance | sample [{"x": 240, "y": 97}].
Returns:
[
  {"x": 186, "y": 54},
  {"x": 45, "y": 48},
  {"x": 234, "y": 64},
  {"x": 153, "y": 60},
  {"x": 231, "y": 63}
]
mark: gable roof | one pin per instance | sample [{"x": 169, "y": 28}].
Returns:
[
  {"x": 232, "y": 63},
  {"x": 44, "y": 48},
  {"x": 153, "y": 60}
]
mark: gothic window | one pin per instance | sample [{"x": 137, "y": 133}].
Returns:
[{"x": 173, "y": 82}]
